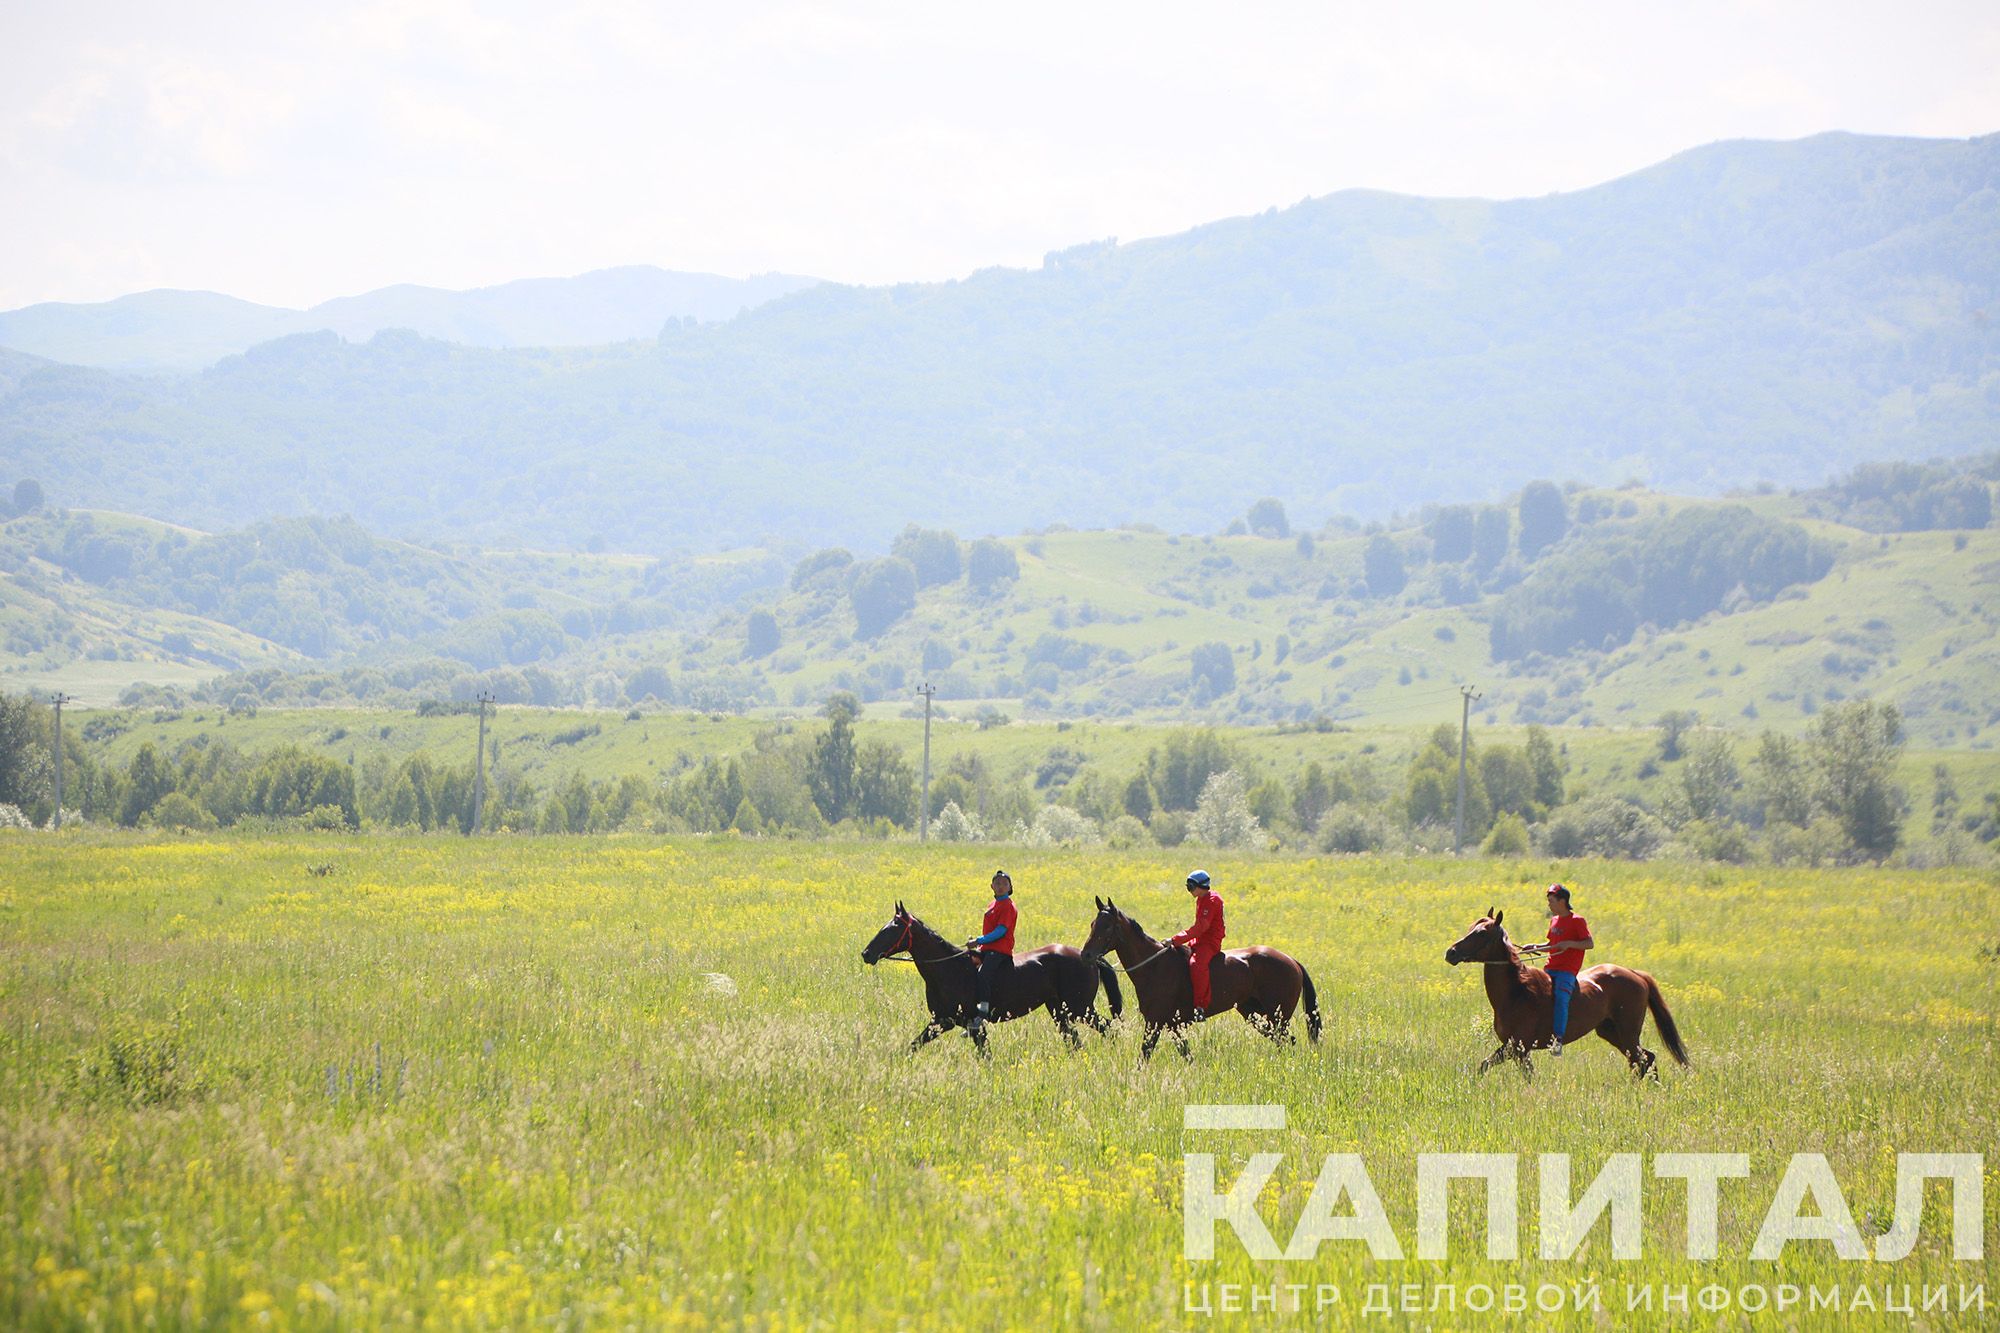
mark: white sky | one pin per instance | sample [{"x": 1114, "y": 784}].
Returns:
[{"x": 293, "y": 152}]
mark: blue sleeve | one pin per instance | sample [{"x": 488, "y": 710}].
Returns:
[{"x": 991, "y": 935}]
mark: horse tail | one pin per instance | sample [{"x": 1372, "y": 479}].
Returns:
[
  {"x": 1664, "y": 1020},
  {"x": 1311, "y": 1003},
  {"x": 1114, "y": 996}
]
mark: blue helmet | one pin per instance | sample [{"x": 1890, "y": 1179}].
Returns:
[{"x": 1198, "y": 880}]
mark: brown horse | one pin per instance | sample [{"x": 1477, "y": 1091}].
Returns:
[
  {"x": 1611, "y": 1001},
  {"x": 1054, "y": 977},
  {"x": 1262, "y": 984}
]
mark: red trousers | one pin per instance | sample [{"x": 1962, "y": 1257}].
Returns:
[{"x": 1198, "y": 958}]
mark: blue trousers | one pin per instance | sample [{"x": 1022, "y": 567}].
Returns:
[{"x": 1564, "y": 984}]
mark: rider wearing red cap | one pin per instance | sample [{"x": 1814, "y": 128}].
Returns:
[
  {"x": 1569, "y": 937},
  {"x": 1204, "y": 938},
  {"x": 993, "y": 949}
]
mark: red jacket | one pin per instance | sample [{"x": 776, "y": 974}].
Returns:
[
  {"x": 1001, "y": 916},
  {"x": 1206, "y": 932}
]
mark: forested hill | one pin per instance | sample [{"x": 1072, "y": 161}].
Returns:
[
  {"x": 187, "y": 331},
  {"x": 1741, "y": 313}
]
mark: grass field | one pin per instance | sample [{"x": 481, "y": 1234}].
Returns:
[{"x": 455, "y": 1082}]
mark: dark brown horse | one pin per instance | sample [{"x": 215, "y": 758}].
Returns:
[
  {"x": 1264, "y": 985},
  {"x": 1054, "y": 977},
  {"x": 1611, "y": 1001}
]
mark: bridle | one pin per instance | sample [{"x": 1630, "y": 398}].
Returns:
[
  {"x": 1128, "y": 971},
  {"x": 909, "y": 931}
]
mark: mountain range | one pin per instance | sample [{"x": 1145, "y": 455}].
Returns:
[
  {"x": 1745, "y": 312},
  {"x": 177, "y": 331}
]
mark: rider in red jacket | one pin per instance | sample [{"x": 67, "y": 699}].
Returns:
[
  {"x": 993, "y": 948},
  {"x": 1204, "y": 938}
]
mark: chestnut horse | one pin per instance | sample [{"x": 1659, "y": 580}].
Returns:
[
  {"x": 1054, "y": 977},
  {"x": 1264, "y": 985},
  {"x": 1610, "y": 1000}
]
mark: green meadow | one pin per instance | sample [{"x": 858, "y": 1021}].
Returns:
[{"x": 361, "y": 1081}]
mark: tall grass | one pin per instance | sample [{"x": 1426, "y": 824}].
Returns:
[{"x": 492, "y": 1082}]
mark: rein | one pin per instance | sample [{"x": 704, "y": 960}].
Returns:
[
  {"x": 1128, "y": 971},
  {"x": 895, "y": 955}
]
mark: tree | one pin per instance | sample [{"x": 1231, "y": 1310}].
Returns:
[
  {"x": 27, "y": 495},
  {"x": 1382, "y": 567},
  {"x": 1222, "y": 815},
  {"x": 23, "y": 751},
  {"x": 1212, "y": 667},
  {"x": 1855, "y": 746},
  {"x": 1781, "y": 781},
  {"x": 1181, "y": 768},
  {"x": 884, "y": 786},
  {"x": 1547, "y": 766},
  {"x": 1267, "y": 519},
  {"x": 1450, "y": 532},
  {"x": 1491, "y": 532},
  {"x": 990, "y": 564},
  {"x": 884, "y": 592},
  {"x": 1137, "y": 798},
  {"x": 1674, "y": 725},
  {"x": 830, "y": 774},
  {"x": 821, "y": 568},
  {"x": 932, "y": 552},
  {"x": 147, "y": 781},
  {"x": 1708, "y": 780},
  {"x": 1431, "y": 796},
  {"x": 1544, "y": 517},
  {"x": 760, "y": 634}
]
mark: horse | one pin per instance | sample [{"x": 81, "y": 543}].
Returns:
[
  {"x": 1610, "y": 1000},
  {"x": 1054, "y": 976},
  {"x": 1264, "y": 985}
]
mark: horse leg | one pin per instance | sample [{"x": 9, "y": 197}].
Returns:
[
  {"x": 1642, "y": 1064},
  {"x": 1500, "y": 1052},
  {"x": 1180, "y": 1043},
  {"x": 1066, "y": 1025},
  {"x": 1152, "y": 1040},
  {"x": 932, "y": 1031},
  {"x": 1527, "y": 1066},
  {"x": 1098, "y": 1022}
]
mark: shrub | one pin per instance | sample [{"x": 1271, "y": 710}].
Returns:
[
  {"x": 1352, "y": 830},
  {"x": 1609, "y": 826},
  {"x": 1058, "y": 826},
  {"x": 1222, "y": 816},
  {"x": 955, "y": 825},
  {"x": 1508, "y": 838}
]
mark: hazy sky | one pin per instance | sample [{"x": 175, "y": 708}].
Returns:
[{"x": 290, "y": 153}]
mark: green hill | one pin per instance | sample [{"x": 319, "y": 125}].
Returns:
[
  {"x": 1132, "y": 623},
  {"x": 1744, "y": 312}
]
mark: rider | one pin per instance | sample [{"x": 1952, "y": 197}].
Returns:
[
  {"x": 1569, "y": 937},
  {"x": 995, "y": 947},
  {"x": 1204, "y": 937}
]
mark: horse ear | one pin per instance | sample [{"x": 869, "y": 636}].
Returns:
[
  {"x": 899, "y": 907},
  {"x": 1499, "y": 916}
]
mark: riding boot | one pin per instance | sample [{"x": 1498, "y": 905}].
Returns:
[{"x": 1556, "y": 1046}]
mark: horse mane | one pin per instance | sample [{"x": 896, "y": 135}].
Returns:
[{"x": 917, "y": 926}]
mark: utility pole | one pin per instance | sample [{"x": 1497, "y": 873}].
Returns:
[
  {"x": 924, "y": 821},
  {"x": 59, "y": 699},
  {"x": 1466, "y": 695},
  {"x": 479, "y": 765}
]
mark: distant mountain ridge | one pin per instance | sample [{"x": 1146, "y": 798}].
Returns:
[
  {"x": 1741, "y": 313},
  {"x": 181, "y": 331}
]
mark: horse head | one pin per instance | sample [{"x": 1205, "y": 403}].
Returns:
[
  {"x": 1486, "y": 942},
  {"x": 892, "y": 938},
  {"x": 1105, "y": 929}
]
